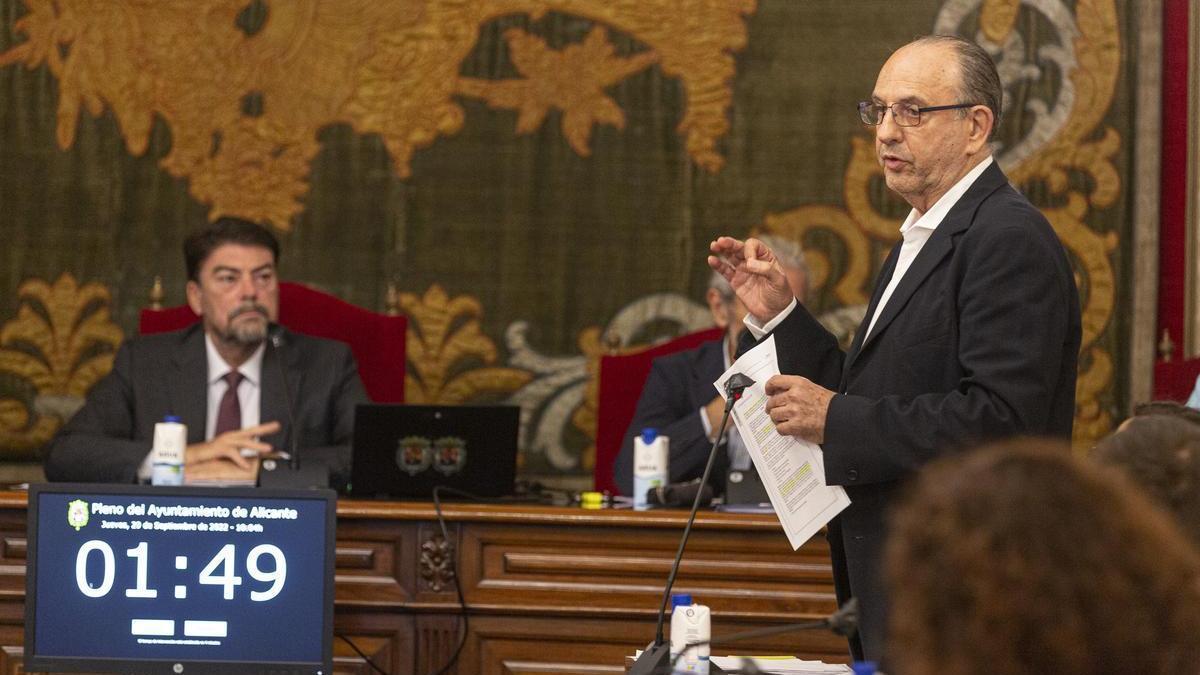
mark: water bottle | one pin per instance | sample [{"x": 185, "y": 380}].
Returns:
[
  {"x": 650, "y": 452},
  {"x": 167, "y": 455},
  {"x": 689, "y": 623}
]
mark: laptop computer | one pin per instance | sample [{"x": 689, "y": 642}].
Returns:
[{"x": 404, "y": 451}]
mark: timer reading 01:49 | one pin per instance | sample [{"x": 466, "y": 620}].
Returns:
[{"x": 219, "y": 571}]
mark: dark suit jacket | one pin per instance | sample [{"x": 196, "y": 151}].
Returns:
[
  {"x": 979, "y": 341},
  {"x": 158, "y": 375},
  {"x": 678, "y": 385}
]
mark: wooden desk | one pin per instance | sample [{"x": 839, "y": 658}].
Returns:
[{"x": 551, "y": 590}]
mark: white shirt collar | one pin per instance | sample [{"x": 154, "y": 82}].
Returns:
[
  {"x": 217, "y": 367},
  {"x": 936, "y": 213}
]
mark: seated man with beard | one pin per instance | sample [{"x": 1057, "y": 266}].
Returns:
[{"x": 220, "y": 377}]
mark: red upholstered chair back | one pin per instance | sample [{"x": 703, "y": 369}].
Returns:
[
  {"x": 1174, "y": 380},
  {"x": 377, "y": 340},
  {"x": 622, "y": 377}
]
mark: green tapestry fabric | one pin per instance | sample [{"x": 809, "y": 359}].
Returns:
[{"x": 539, "y": 179}]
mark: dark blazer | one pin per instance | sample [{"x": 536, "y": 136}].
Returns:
[
  {"x": 979, "y": 341},
  {"x": 158, "y": 375},
  {"x": 677, "y": 387}
]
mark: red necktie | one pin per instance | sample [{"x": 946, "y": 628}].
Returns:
[{"x": 229, "y": 412}]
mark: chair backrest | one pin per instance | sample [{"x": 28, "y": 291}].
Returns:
[
  {"x": 1174, "y": 380},
  {"x": 622, "y": 377},
  {"x": 377, "y": 340}
]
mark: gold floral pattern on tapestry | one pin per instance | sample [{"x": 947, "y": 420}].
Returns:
[
  {"x": 572, "y": 80},
  {"x": 449, "y": 358},
  {"x": 385, "y": 68},
  {"x": 61, "y": 342}
]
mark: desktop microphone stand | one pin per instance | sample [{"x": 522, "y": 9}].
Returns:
[{"x": 656, "y": 658}]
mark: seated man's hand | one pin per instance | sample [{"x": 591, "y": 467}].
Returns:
[
  {"x": 228, "y": 447},
  {"x": 221, "y": 470}
]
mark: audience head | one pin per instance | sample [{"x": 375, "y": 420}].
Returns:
[
  {"x": 232, "y": 281},
  {"x": 1161, "y": 453},
  {"x": 790, "y": 255},
  {"x": 1171, "y": 408},
  {"x": 1018, "y": 558}
]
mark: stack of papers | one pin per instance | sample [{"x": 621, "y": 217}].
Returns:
[{"x": 783, "y": 665}]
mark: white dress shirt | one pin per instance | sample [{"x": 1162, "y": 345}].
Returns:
[
  {"x": 916, "y": 230},
  {"x": 249, "y": 389},
  {"x": 739, "y": 456}
]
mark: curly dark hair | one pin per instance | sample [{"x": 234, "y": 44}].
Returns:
[
  {"x": 1018, "y": 558},
  {"x": 1161, "y": 453},
  {"x": 1171, "y": 408}
]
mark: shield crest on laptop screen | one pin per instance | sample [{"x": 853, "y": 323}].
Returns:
[{"x": 404, "y": 451}]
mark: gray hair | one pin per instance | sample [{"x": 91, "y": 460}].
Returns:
[
  {"x": 787, "y": 251},
  {"x": 980, "y": 81},
  {"x": 717, "y": 282}
]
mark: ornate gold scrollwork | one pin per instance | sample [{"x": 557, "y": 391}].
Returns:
[{"x": 61, "y": 342}]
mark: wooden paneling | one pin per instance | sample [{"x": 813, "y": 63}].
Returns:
[{"x": 549, "y": 590}]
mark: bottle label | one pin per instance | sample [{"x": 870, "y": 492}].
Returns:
[
  {"x": 167, "y": 455},
  {"x": 649, "y": 468}
]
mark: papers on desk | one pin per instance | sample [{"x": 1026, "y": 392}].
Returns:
[
  {"x": 792, "y": 470},
  {"x": 784, "y": 665}
]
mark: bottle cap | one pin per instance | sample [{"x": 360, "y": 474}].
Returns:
[
  {"x": 591, "y": 500},
  {"x": 649, "y": 434},
  {"x": 864, "y": 667},
  {"x": 172, "y": 418},
  {"x": 678, "y": 599}
]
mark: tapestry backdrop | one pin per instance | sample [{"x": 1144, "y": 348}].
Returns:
[{"x": 539, "y": 179}]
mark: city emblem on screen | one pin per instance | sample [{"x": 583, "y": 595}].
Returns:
[{"x": 77, "y": 514}]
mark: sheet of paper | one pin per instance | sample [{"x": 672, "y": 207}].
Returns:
[
  {"x": 782, "y": 664},
  {"x": 792, "y": 470}
]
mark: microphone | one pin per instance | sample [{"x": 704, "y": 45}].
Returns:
[
  {"x": 679, "y": 494},
  {"x": 312, "y": 474},
  {"x": 657, "y": 655},
  {"x": 275, "y": 335},
  {"x": 844, "y": 622}
]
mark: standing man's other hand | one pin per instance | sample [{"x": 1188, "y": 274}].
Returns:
[{"x": 798, "y": 407}]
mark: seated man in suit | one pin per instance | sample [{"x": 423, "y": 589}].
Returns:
[
  {"x": 222, "y": 377},
  {"x": 679, "y": 399}
]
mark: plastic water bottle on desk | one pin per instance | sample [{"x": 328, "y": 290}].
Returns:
[
  {"x": 689, "y": 623},
  {"x": 650, "y": 453},
  {"x": 167, "y": 454}
]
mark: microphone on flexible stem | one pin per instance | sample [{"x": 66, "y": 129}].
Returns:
[
  {"x": 842, "y": 622},
  {"x": 656, "y": 657},
  {"x": 276, "y": 337},
  {"x": 312, "y": 474}
]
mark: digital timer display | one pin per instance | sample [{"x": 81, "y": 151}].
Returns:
[{"x": 181, "y": 575}]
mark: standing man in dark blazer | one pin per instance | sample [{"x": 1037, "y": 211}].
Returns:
[
  {"x": 973, "y": 330},
  {"x": 222, "y": 377}
]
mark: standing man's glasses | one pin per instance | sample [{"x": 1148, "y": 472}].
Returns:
[{"x": 905, "y": 114}]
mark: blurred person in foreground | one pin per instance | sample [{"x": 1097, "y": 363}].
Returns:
[
  {"x": 1020, "y": 559},
  {"x": 1161, "y": 453}
]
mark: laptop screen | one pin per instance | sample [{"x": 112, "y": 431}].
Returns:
[{"x": 404, "y": 451}]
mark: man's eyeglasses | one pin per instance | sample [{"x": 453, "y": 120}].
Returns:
[{"x": 905, "y": 114}]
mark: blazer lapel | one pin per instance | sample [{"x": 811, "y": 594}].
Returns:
[
  {"x": 939, "y": 245},
  {"x": 885, "y": 276},
  {"x": 187, "y": 391},
  {"x": 272, "y": 400}
]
